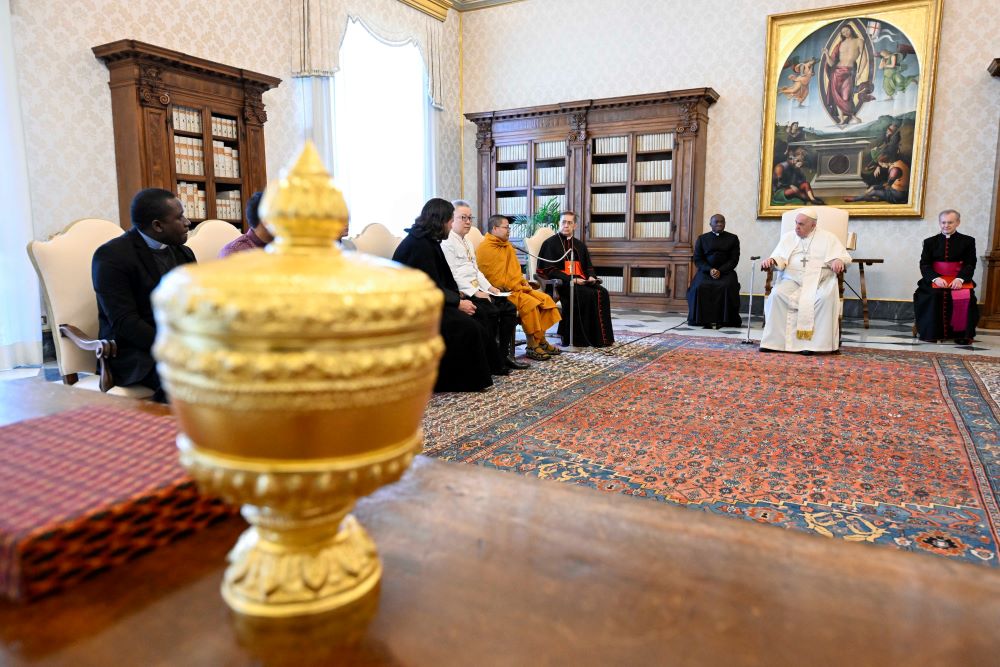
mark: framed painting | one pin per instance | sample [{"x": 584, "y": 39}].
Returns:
[{"x": 847, "y": 106}]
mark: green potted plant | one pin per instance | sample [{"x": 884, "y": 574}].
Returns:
[{"x": 546, "y": 216}]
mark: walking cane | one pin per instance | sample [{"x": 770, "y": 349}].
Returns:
[{"x": 750, "y": 305}]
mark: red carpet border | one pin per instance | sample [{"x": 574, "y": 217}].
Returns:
[{"x": 867, "y": 446}]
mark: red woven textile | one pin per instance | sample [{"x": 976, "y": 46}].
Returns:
[{"x": 88, "y": 489}]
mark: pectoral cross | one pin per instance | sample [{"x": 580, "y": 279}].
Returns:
[{"x": 804, "y": 260}]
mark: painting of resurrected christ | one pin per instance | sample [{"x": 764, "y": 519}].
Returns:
[{"x": 847, "y": 112}]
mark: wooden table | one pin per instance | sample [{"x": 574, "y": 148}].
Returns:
[
  {"x": 490, "y": 568},
  {"x": 862, "y": 263}
]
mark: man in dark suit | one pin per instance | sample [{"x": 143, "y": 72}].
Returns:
[{"x": 125, "y": 271}]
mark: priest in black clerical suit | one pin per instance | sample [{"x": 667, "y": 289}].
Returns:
[
  {"x": 714, "y": 295},
  {"x": 470, "y": 356},
  {"x": 592, "y": 306},
  {"x": 944, "y": 303},
  {"x": 125, "y": 270}
]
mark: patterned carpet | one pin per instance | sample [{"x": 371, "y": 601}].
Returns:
[{"x": 869, "y": 446}]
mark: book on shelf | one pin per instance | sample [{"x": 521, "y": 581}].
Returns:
[
  {"x": 189, "y": 156},
  {"x": 607, "y": 202},
  {"x": 606, "y": 145},
  {"x": 550, "y": 175},
  {"x": 541, "y": 200},
  {"x": 652, "y": 229},
  {"x": 612, "y": 172},
  {"x": 226, "y": 160},
  {"x": 652, "y": 202},
  {"x": 613, "y": 283},
  {"x": 607, "y": 230},
  {"x": 648, "y": 284},
  {"x": 228, "y": 205},
  {"x": 187, "y": 119},
  {"x": 224, "y": 127},
  {"x": 550, "y": 150},
  {"x": 192, "y": 198},
  {"x": 654, "y": 170},
  {"x": 512, "y": 178},
  {"x": 512, "y": 205},
  {"x": 512, "y": 153},
  {"x": 655, "y": 142}
]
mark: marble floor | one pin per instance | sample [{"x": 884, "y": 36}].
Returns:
[{"x": 882, "y": 334}]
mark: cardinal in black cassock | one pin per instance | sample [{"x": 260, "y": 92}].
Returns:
[
  {"x": 592, "y": 306},
  {"x": 714, "y": 295}
]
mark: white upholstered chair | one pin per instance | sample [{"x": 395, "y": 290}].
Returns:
[
  {"x": 376, "y": 239},
  {"x": 63, "y": 264},
  {"x": 829, "y": 218},
  {"x": 533, "y": 244},
  {"x": 474, "y": 237},
  {"x": 209, "y": 237}
]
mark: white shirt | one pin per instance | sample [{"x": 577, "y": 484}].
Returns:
[{"x": 462, "y": 261}]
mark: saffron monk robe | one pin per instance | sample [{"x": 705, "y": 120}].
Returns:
[{"x": 498, "y": 262}]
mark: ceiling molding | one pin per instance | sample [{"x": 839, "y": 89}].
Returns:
[
  {"x": 472, "y": 5},
  {"x": 439, "y": 8},
  {"x": 435, "y": 8}
]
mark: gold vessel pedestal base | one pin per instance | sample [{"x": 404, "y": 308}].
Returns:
[{"x": 276, "y": 579}]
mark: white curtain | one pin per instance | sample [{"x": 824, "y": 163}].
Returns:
[
  {"x": 20, "y": 316},
  {"x": 384, "y": 156},
  {"x": 319, "y": 27}
]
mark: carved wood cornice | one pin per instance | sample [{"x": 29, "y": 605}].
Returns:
[
  {"x": 130, "y": 50},
  {"x": 689, "y": 119},
  {"x": 152, "y": 92},
  {"x": 253, "y": 105},
  {"x": 578, "y": 126},
  {"x": 484, "y": 133},
  {"x": 697, "y": 97}
]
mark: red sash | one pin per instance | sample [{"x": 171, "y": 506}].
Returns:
[
  {"x": 959, "y": 298},
  {"x": 573, "y": 269}
]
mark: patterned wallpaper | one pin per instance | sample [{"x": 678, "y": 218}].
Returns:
[
  {"x": 66, "y": 102},
  {"x": 547, "y": 51}
]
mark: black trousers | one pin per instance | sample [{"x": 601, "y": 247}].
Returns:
[{"x": 499, "y": 316}]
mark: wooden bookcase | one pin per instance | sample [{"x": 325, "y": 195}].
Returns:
[
  {"x": 188, "y": 125},
  {"x": 633, "y": 169}
]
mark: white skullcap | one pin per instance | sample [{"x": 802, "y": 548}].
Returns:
[{"x": 809, "y": 213}]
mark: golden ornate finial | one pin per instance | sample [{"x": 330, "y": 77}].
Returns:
[
  {"x": 299, "y": 384},
  {"x": 304, "y": 208}
]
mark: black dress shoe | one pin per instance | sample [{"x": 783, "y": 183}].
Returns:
[
  {"x": 502, "y": 371},
  {"x": 962, "y": 341},
  {"x": 511, "y": 362},
  {"x": 806, "y": 353},
  {"x": 766, "y": 349}
]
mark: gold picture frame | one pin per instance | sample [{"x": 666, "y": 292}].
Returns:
[{"x": 848, "y": 97}]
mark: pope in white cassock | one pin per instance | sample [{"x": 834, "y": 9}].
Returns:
[{"x": 802, "y": 313}]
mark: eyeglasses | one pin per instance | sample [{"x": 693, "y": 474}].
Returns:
[
  {"x": 503, "y": 226},
  {"x": 470, "y": 218}
]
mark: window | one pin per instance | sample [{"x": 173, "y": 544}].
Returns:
[{"x": 383, "y": 155}]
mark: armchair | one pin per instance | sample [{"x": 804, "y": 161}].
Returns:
[
  {"x": 63, "y": 265},
  {"x": 533, "y": 244},
  {"x": 376, "y": 239},
  {"x": 208, "y": 238}
]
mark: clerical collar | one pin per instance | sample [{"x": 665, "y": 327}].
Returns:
[
  {"x": 151, "y": 242},
  {"x": 947, "y": 236},
  {"x": 716, "y": 233}
]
